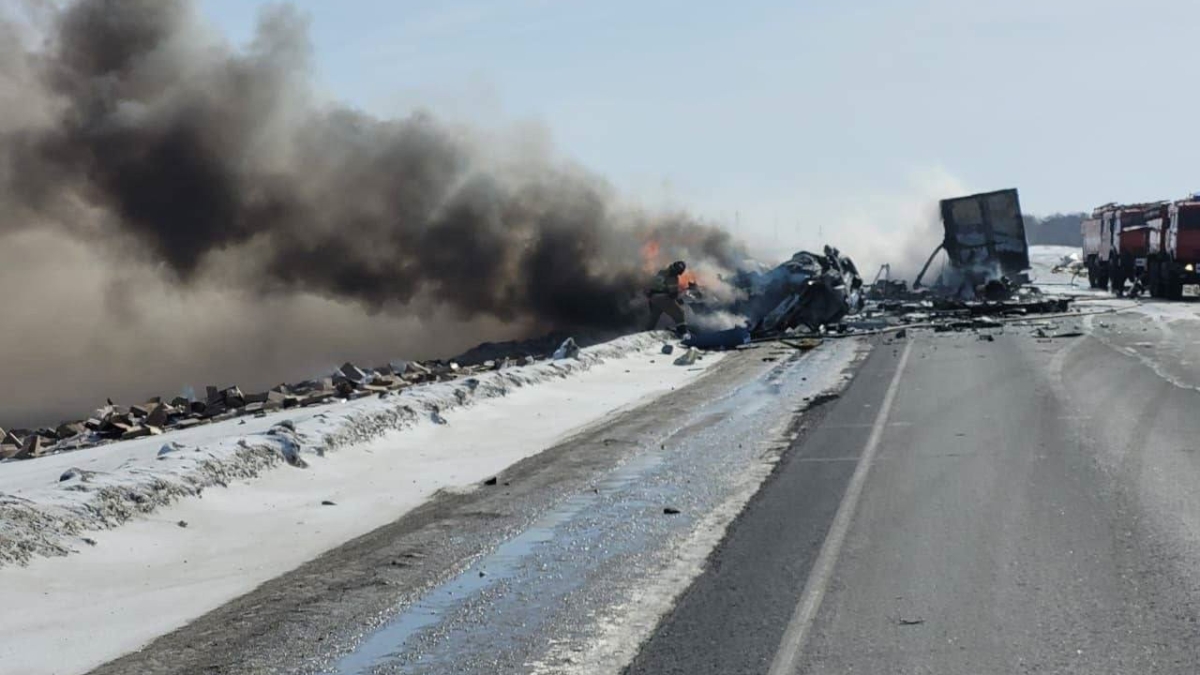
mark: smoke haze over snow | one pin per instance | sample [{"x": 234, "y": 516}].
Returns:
[
  {"x": 894, "y": 221},
  {"x": 174, "y": 210},
  {"x": 85, "y": 328},
  {"x": 900, "y": 229}
]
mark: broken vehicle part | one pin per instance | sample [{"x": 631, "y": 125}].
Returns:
[
  {"x": 811, "y": 290},
  {"x": 984, "y": 239}
]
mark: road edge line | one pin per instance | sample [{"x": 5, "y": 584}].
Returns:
[{"x": 796, "y": 633}]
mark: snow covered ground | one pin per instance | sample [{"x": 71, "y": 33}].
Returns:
[
  {"x": 205, "y": 521},
  {"x": 1043, "y": 259}
]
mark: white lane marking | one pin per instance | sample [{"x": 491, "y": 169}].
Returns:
[
  {"x": 864, "y": 425},
  {"x": 822, "y": 572}
]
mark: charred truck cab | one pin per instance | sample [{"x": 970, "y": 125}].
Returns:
[{"x": 1177, "y": 257}]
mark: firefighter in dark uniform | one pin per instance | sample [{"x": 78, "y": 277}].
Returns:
[{"x": 663, "y": 296}]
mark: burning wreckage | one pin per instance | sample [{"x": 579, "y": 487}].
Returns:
[
  {"x": 985, "y": 273},
  {"x": 809, "y": 295},
  {"x": 811, "y": 290}
]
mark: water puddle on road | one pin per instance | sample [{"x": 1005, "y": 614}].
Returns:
[
  {"x": 388, "y": 641},
  {"x": 546, "y": 587}
]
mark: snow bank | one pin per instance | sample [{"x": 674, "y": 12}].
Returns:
[
  {"x": 1043, "y": 260},
  {"x": 47, "y": 503},
  {"x": 177, "y": 561},
  {"x": 1048, "y": 255}
]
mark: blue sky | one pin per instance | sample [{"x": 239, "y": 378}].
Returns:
[{"x": 800, "y": 117}]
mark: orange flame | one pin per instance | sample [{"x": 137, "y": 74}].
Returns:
[
  {"x": 653, "y": 261},
  {"x": 650, "y": 253},
  {"x": 687, "y": 279}
]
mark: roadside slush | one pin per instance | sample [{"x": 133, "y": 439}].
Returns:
[{"x": 308, "y": 619}]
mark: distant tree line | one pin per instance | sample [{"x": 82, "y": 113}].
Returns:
[{"x": 1059, "y": 229}]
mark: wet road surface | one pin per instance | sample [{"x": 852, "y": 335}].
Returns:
[
  {"x": 566, "y": 563},
  {"x": 1013, "y": 505},
  {"x": 1023, "y": 505}
]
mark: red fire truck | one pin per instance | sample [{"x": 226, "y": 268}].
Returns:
[
  {"x": 1102, "y": 242},
  {"x": 1119, "y": 240},
  {"x": 1174, "y": 255}
]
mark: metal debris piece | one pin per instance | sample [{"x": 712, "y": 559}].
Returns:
[
  {"x": 567, "y": 350},
  {"x": 811, "y": 290},
  {"x": 985, "y": 245},
  {"x": 688, "y": 358}
]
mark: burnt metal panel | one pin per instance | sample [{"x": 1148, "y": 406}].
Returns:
[{"x": 984, "y": 230}]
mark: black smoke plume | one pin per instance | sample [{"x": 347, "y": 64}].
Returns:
[
  {"x": 194, "y": 150},
  {"x": 156, "y": 166}
]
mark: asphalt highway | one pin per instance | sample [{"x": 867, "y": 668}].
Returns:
[
  {"x": 970, "y": 502},
  {"x": 1013, "y": 505}
]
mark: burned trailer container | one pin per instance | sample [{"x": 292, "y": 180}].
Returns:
[{"x": 984, "y": 241}]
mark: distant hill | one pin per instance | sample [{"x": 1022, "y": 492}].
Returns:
[{"x": 1059, "y": 229}]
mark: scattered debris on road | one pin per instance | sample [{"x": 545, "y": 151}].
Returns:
[
  {"x": 807, "y": 298},
  {"x": 984, "y": 284},
  {"x": 803, "y": 344},
  {"x": 821, "y": 399}
]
